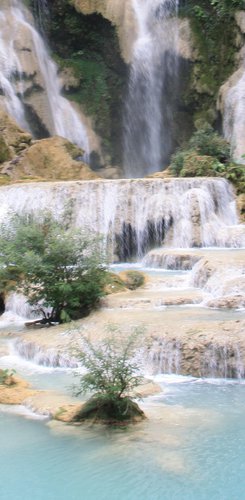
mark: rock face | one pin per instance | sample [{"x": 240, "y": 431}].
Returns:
[
  {"x": 30, "y": 86},
  {"x": 49, "y": 159},
  {"x": 21, "y": 158},
  {"x": 122, "y": 15},
  {"x": 16, "y": 393},
  {"x": 14, "y": 139}
]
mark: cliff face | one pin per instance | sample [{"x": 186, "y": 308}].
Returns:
[
  {"x": 93, "y": 43},
  {"x": 119, "y": 13},
  {"x": 210, "y": 38}
]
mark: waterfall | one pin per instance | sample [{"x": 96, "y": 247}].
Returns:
[
  {"x": 10, "y": 69},
  {"x": 41, "y": 13},
  {"x": 234, "y": 112},
  {"x": 52, "y": 357},
  {"x": 148, "y": 120},
  {"x": 16, "y": 30},
  {"x": 206, "y": 359},
  {"x": 135, "y": 215}
]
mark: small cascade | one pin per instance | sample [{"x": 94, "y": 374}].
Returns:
[
  {"x": 16, "y": 303},
  {"x": 50, "y": 357},
  {"x": 136, "y": 215},
  {"x": 164, "y": 357},
  {"x": 208, "y": 359},
  {"x": 17, "y": 60},
  {"x": 152, "y": 88},
  {"x": 223, "y": 361}
]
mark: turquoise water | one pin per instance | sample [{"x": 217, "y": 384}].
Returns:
[{"x": 191, "y": 448}]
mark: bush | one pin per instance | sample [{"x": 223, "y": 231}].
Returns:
[
  {"x": 112, "y": 374},
  {"x": 195, "y": 165},
  {"x": 209, "y": 143},
  {"x": 208, "y": 154},
  {"x": 55, "y": 267}
]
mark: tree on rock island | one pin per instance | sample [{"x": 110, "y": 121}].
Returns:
[
  {"x": 112, "y": 375},
  {"x": 54, "y": 266}
]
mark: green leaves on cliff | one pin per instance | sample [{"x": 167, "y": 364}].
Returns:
[
  {"x": 216, "y": 39},
  {"x": 88, "y": 45},
  {"x": 208, "y": 154}
]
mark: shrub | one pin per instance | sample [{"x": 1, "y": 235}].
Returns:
[
  {"x": 207, "y": 142},
  {"x": 112, "y": 375},
  {"x": 54, "y": 266}
]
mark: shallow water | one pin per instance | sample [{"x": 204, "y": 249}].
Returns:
[{"x": 191, "y": 448}]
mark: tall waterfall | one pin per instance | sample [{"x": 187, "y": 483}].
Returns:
[
  {"x": 234, "y": 116},
  {"x": 16, "y": 29},
  {"x": 148, "y": 120},
  {"x": 135, "y": 215}
]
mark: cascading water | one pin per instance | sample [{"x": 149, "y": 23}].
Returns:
[
  {"x": 148, "y": 120},
  {"x": 135, "y": 215},
  {"x": 234, "y": 122},
  {"x": 41, "y": 12},
  {"x": 10, "y": 69},
  {"x": 61, "y": 118}
]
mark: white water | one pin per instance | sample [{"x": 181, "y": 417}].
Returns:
[
  {"x": 63, "y": 120},
  {"x": 133, "y": 215},
  {"x": 223, "y": 361},
  {"x": 10, "y": 66},
  {"x": 234, "y": 118},
  {"x": 152, "y": 86}
]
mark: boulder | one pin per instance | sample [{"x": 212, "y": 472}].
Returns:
[{"x": 50, "y": 159}]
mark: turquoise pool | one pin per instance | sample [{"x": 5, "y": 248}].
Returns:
[{"x": 191, "y": 448}]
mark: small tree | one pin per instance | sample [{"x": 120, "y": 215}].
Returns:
[
  {"x": 113, "y": 375},
  {"x": 54, "y": 266}
]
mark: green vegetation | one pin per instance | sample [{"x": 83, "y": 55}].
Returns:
[
  {"x": 54, "y": 266},
  {"x": 216, "y": 40},
  {"x": 88, "y": 46},
  {"x": 208, "y": 154},
  {"x": 112, "y": 374}
]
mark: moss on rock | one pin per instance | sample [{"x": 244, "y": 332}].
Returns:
[{"x": 108, "y": 411}]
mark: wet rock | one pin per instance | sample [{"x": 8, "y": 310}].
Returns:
[{"x": 227, "y": 302}]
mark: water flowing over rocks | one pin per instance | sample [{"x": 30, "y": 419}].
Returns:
[
  {"x": 153, "y": 87},
  {"x": 31, "y": 90},
  {"x": 231, "y": 102},
  {"x": 187, "y": 342},
  {"x": 52, "y": 357},
  {"x": 135, "y": 215}
]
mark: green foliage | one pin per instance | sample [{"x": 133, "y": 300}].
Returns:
[
  {"x": 215, "y": 38},
  {"x": 112, "y": 373},
  {"x": 208, "y": 154},
  {"x": 88, "y": 45},
  {"x": 52, "y": 265},
  {"x": 207, "y": 142}
]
